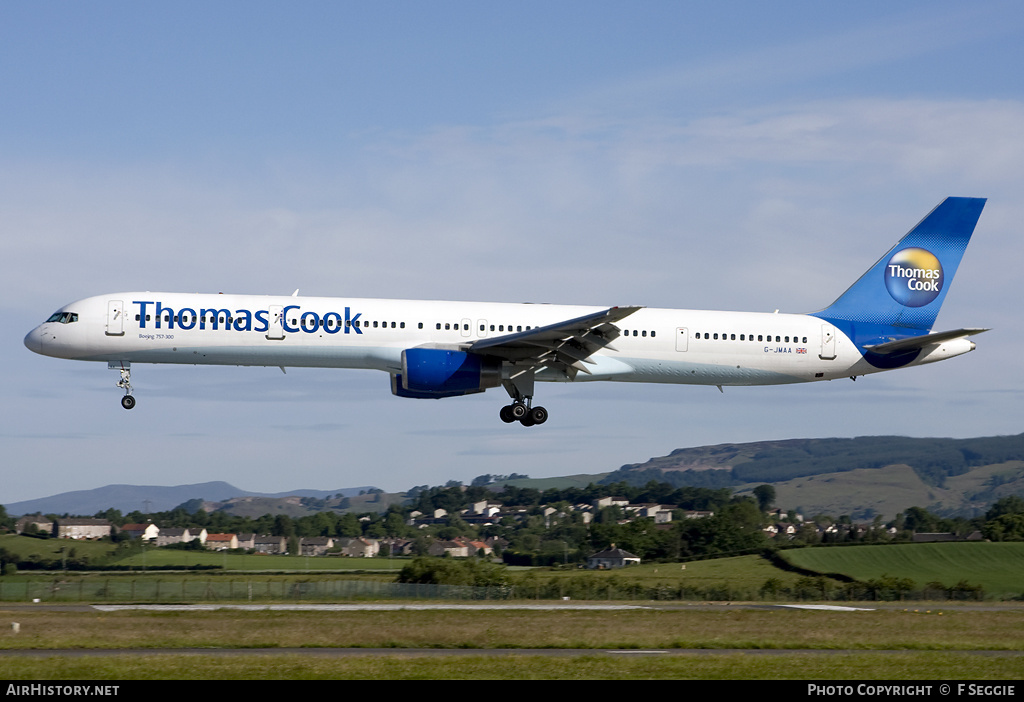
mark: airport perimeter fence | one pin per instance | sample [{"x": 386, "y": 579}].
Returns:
[
  {"x": 188, "y": 590},
  {"x": 148, "y": 590}
]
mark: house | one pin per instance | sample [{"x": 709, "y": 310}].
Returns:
[
  {"x": 221, "y": 542},
  {"x": 612, "y": 558},
  {"x": 781, "y": 528},
  {"x": 147, "y": 532},
  {"x": 315, "y": 545},
  {"x": 480, "y": 548},
  {"x": 358, "y": 547},
  {"x": 485, "y": 508},
  {"x": 398, "y": 547},
  {"x": 81, "y": 528},
  {"x": 270, "y": 544},
  {"x": 457, "y": 548},
  {"x": 34, "y": 523},
  {"x": 177, "y": 535},
  {"x": 661, "y": 514},
  {"x": 602, "y": 502},
  {"x": 247, "y": 541}
]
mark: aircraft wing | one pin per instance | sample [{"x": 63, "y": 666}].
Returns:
[
  {"x": 564, "y": 346},
  {"x": 917, "y": 342}
]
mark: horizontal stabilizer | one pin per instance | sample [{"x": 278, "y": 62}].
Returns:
[{"x": 918, "y": 342}]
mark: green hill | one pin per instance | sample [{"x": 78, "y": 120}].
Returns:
[
  {"x": 998, "y": 567},
  {"x": 862, "y": 477}
]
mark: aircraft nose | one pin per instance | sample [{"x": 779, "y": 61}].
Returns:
[{"x": 34, "y": 340}]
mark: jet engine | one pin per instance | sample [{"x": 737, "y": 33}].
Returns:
[{"x": 437, "y": 373}]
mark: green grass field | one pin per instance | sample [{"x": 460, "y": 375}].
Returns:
[
  {"x": 683, "y": 666},
  {"x": 739, "y": 572},
  {"x": 998, "y": 567},
  {"x": 25, "y": 547},
  {"x": 774, "y": 644},
  {"x": 158, "y": 557},
  {"x": 105, "y": 553}
]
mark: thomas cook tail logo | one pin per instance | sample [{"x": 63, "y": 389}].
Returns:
[{"x": 913, "y": 277}]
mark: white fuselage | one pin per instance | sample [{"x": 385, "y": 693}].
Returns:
[{"x": 697, "y": 347}]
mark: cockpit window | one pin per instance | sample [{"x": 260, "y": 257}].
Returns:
[{"x": 63, "y": 317}]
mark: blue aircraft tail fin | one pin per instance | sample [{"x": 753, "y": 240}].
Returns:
[{"x": 906, "y": 287}]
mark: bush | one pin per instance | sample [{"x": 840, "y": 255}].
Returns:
[{"x": 447, "y": 571}]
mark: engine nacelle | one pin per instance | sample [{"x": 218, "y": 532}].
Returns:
[{"x": 437, "y": 373}]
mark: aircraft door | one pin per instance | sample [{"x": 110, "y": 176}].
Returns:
[
  {"x": 828, "y": 342},
  {"x": 275, "y": 328},
  {"x": 115, "y": 318},
  {"x": 682, "y": 338},
  {"x": 467, "y": 327}
]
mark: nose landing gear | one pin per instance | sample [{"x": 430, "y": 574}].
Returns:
[{"x": 128, "y": 401}]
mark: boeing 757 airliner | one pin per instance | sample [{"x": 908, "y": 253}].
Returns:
[{"x": 434, "y": 349}]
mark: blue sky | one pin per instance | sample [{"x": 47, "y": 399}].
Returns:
[{"x": 705, "y": 155}]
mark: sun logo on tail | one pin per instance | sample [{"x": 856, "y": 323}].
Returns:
[{"x": 913, "y": 277}]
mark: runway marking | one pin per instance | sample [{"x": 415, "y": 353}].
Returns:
[
  {"x": 629, "y": 651},
  {"x": 831, "y": 608},
  {"x": 359, "y": 607}
]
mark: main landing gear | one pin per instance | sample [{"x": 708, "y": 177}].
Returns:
[
  {"x": 520, "y": 389},
  {"x": 525, "y": 415}
]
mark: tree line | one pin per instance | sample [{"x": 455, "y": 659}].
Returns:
[{"x": 565, "y": 536}]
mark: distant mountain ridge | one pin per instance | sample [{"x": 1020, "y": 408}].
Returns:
[
  {"x": 934, "y": 460},
  {"x": 153, "y": 498},
  {"x": 862, "y": 477}
]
